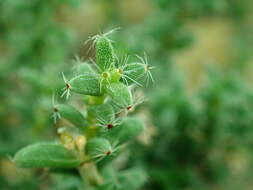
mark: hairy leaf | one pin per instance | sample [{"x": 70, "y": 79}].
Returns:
[
  {"x": 134, "y": 73},
  {"x": 72, "y": 115},
  {"x": 84, "y": 68},
  {"x": 120, "y": 94},
  {"x": 45, "y": 155},
  {"x": 130, "y": 128},
  {"x": 104, "y": 53},
  {"x": 98, "y": 148},
  {"x": 104, "y": 113},
  {"x": 87, "y": 84}
]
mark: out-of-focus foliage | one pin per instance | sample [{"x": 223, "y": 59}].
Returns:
[
  {"x": 206, "y": 136},
  {"x": 203, "y": 135},
  {"x": 90, "y": 141},
  {"x": 202, "y": 117},
  {"x": 34, "y": 45}
]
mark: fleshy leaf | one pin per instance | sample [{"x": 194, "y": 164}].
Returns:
[
  {"x": 72, "y": 115},
  {"x": 134, "y": 73},
  {"x": 84, "y": 68},
  {"x": 87, "y": 84},
  {"x": 41, "y": 155},
  {"x": 120, "y": 94},
  {"x": 104, "y": 113},
  {"x": 98, "y": 148},
  {"x": 104, "y": 53},
  {"x": 129, "y": 128}
]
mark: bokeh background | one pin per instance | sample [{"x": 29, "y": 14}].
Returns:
[{"x": 199, "y": 112}]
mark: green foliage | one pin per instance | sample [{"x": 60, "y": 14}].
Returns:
[
  {"x": 101, "y": 132},
  {"x": 34, "y": 46},
  {"x": 131, "y": 179},
  {"x": 134, "y": 71},
  {"x": 204, "y": 128},
  {"x": 201, "y": 139},
  {"x": 120, "y": 95},
  {"x": 103, "y": 113},
  {"x": 84, "y": 68},
  {"x": 71, "y": 114},
  {"x": 203, "y": 135},
  {"x": 104, "y": 53},
  {"x": 87, "y": 84},
  {"x": 63, "y": 181},
  {"x": 45, "y": 155},
  {"x": 98, "y": 148},
  {"x": 128, "y": 129}
]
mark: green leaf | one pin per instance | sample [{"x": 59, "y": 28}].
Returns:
[
  {"x": 130, "y": 128},
  {"x": 31, "y": 77},
  {"x": 84, "y": 68},
  {"x": 134, "y": 73},
  {"x": 72, "y": 115},
  {"x": 104, "y": 113},
  {"x": 98, "y": 148},
  {"x": 115, "y": 107},
  {"x": 131, "y": 179},
  {"x": 120, "y": 94},
  {"x": 45, "y": 155},
  {"x": 104, "y": 53},
  {"x": 87, "y": 84},
  {"x": 66, "y": 181},
  {"x": 108, "y": 159}
]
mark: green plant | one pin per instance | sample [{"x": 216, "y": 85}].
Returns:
[
  {"x": 25, "y": 57},
  {"x": 92, "y": 139}
]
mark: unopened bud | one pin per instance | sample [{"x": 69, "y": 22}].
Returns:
[{"x": 80, "y": 142}]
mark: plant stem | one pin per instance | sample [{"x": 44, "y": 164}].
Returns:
[{"x": 89, "y": 174}]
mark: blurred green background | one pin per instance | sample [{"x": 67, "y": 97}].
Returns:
[{"x": 199, "y": 111}]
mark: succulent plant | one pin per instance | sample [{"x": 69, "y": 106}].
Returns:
[{"x": 90, "y": 141}]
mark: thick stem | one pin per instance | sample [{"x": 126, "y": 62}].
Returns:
[
  {"x": 89, "y": 174},
  {"x": 88, "y": 170}
]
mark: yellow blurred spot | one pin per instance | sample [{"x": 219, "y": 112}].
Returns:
[
  {"x": 9, "y": 171},
  {"x": 80, "y": 142},
  {"x": 120, "y": 71},
  {"x": 67, "y": 141}
]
